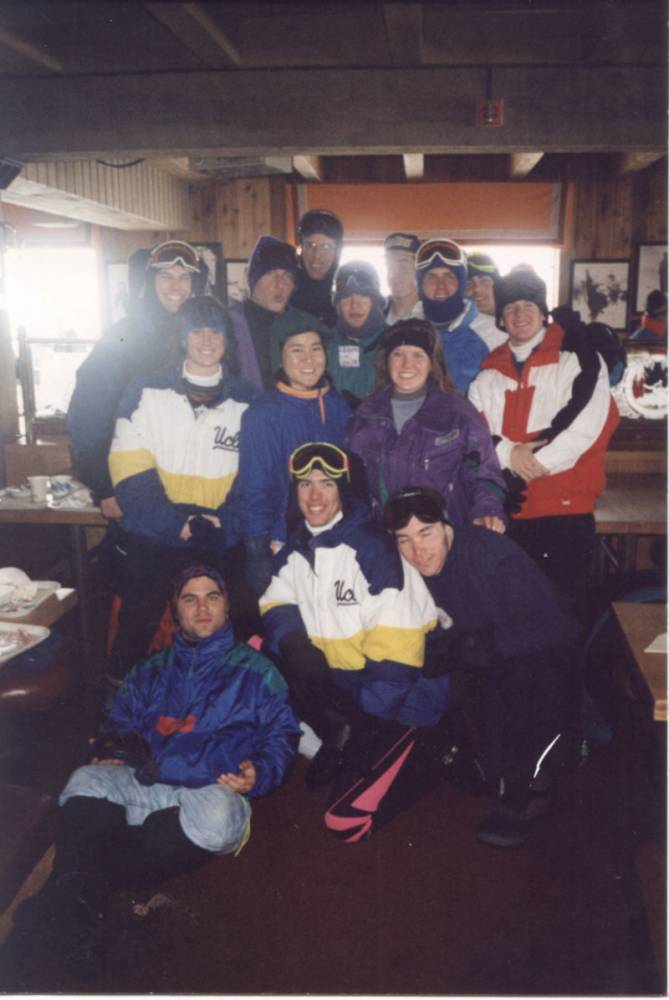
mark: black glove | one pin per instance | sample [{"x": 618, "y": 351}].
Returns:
[
  {"x": 131, "y": 748},
  {"x": 257, "y": 563}
]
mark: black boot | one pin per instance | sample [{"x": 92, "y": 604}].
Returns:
[{"x": 329, "y": 759}]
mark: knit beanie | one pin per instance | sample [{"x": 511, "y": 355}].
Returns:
[
  {"x": 359, "y": 278},
  {"x": 520, "y": 284},
  {"x": 429, "y": 257},
  {"x": 196, "y": 314},
  {"x": 413, "y": 332},
  {"x": 319, "y": 220},
  {"x": 270, "y": 254},
  {"x": 194, "y": 570},
  {"x": 295, "y": 321}
]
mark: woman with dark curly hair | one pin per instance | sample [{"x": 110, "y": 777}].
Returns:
[{"x": 417, "y": 430}]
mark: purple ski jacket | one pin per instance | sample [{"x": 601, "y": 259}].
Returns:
[{"x": 445, "y": 445}]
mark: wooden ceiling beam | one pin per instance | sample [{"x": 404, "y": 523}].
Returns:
[
  {"x": 631, "y": 163},
  {"x": 31, "y": 52},
  {"x": 196, "y": 29},
  {"x": 310, "y": 167},
  {"x": 522, "y": 164},
  {"x": 414, "y": 166},
  {"x": 404, "y": 32},
  {"x": 303, "y": 112}
]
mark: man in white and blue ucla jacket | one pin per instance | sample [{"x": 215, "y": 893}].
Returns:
[
  {"x": 194, "y": 733},
  {"x": 348, "y": 621}
]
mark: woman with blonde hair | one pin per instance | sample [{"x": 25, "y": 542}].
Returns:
[{"x": 417, "y": 430}]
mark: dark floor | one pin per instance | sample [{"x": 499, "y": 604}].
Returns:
[{"x": 420, "y": 908}]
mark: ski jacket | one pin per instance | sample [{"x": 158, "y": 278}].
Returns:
[
  {"x": 168, "y": 461},
  {"x": 272, "y": 427},
  {"x": 552, "y": 386},
  {"x": 204, "y": 707},
  {"x": 366, "y": 609},
  {"x": 445, "y": 445}
]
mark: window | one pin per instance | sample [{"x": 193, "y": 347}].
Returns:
[
  {"x": 545, "y": 261},
  {"x": 53, "y": 296}
]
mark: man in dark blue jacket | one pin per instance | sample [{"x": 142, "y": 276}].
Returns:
[
  {"x": 508, "y": 635},
  {"x": 194, "y": 732}
]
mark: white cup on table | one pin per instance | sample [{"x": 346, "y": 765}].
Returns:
[{"x": 39, "y": 487}]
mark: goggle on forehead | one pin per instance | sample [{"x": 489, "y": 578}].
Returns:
[
  {"x": 171, "y": 253},
  {"x": 327, "y": 457},
  {"x": 435, "y": 251}
]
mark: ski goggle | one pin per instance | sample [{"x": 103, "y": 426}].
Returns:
[
  {"x": 171, "y": 253},
  {"x": 355, "y": 279},
  {"x": 319, "y": 454},
  {"x": 439, "y": 251},
  {"x": 423, "y": 503}
]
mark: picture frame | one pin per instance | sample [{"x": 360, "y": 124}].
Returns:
[
  {"x": 235, "y": 280},
  {"x": 212, "y": 254},
  {"x": 650, "y": 272},
  {"x": 600, "y": 291}
]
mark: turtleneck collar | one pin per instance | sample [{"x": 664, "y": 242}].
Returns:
[
  {"x": 204, "y": 381},
  {"x": 325, "y": 527},
  {"x": 523, "y": 351}
]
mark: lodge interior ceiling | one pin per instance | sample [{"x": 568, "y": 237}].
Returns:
[{"x": 336, "y": 91}]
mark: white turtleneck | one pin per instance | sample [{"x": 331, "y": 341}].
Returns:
[
  {"x": 521, "y": 352},
  {"x": 325, "y": 527},
  {"x": 202, "y": 380}
]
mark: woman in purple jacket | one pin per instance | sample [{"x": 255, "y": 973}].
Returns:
[{"x": 417, "y": 430}]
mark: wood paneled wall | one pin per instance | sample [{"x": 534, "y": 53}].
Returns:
[
  {"x": 236, "y": 213},
  {"x": 610, "y": 216}
]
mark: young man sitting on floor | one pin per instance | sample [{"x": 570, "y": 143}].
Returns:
[{"x": 194, "y": 732}]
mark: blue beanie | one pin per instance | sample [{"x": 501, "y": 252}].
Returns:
[
  {"x": 195, "y": 314},
  {"x": 428, "y": 258},
  {"x": 194, "y": 570}
]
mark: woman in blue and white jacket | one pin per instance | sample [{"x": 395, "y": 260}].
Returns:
[
  {"x": 173, "y": 462},
  {"x": 303, "y": 407}
]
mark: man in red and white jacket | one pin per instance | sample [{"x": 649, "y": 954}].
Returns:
[{"x": 546, "y": 397}]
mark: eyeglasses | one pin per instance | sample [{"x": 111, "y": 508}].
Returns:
[
  {"x": 328, "y": 248},
  {"x": 332, "y": 460},
  {"x": 432, "y": 250},
  {"x": 171, "y": 253}
]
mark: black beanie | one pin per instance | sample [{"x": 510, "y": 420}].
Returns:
[
  {"x": 521, "y": 283},
  {"x": 319, "y": 220},
  {"x": 656, "y": 304}
]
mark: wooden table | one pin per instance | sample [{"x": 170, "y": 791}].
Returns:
[
  {"x": 640, "y": 624},
  {"x": 26, "y": 512},
  {"x": 632, "y": 506}
]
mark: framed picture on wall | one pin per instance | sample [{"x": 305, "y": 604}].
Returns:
[
  {"x": 212, "y": 254},
  {"x": 650, "y": 272},
  {"x": 235, "y": 271},
  {"x": 600, "y": 291}
]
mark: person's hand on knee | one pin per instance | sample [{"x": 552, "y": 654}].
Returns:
[{"x": 242, "y": 782}]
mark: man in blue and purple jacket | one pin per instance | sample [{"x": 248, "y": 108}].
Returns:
[{"x": 195, "y": 731}]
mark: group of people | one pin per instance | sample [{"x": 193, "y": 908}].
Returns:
[{"x": 394, "y": 497}]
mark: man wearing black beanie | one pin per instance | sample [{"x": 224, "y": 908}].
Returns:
[{"x": 321, "y": 235}]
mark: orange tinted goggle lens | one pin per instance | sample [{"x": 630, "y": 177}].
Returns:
[{"x": 445, "y": 249}]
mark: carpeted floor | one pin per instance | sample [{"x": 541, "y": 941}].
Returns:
[{"x": 421, "y": 908}]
